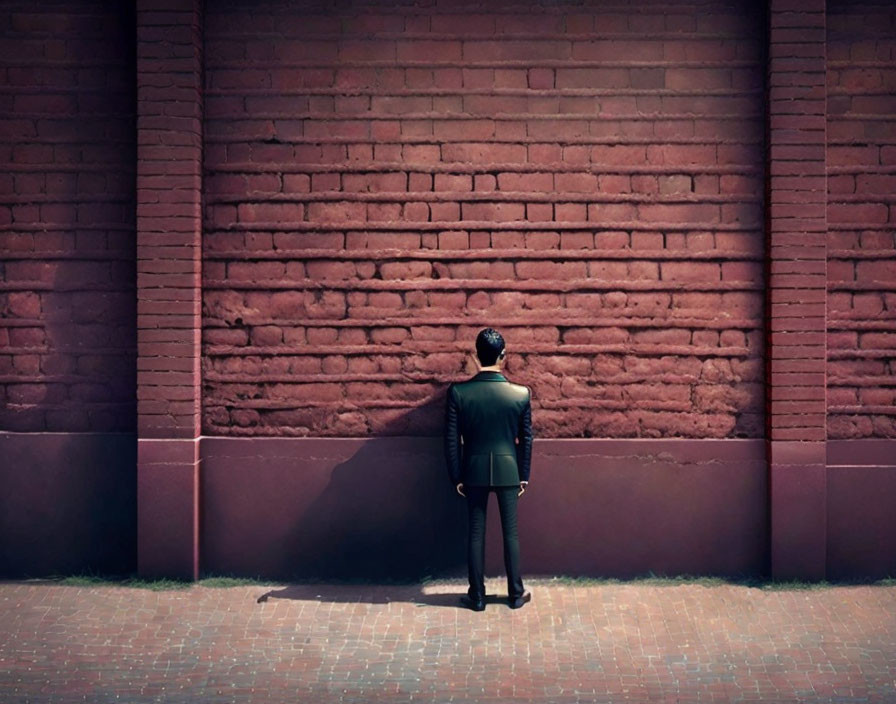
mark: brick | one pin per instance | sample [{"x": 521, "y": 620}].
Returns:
[
  {"x": 540, "y": 78},
  {"x": 453, "y": 182},
  {"x": 484, "y": 153},
  {"x": 269, "y": 133},
  {"x": 493, "y": 211}
]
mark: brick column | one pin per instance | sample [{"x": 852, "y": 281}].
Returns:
[
  {"x": 797, "y": 253},
  {"x": 169, "y": 228}
]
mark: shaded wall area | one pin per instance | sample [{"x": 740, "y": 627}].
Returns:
[
  {"x": 69, "y": 504},
  {"x": 67, "y": 288},
  {"x": 67, "y": 217}
]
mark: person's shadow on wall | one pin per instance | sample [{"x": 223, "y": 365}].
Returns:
[{"x": 387, "y": 514}]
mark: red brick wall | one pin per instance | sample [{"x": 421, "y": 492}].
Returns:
[
  {"x": 861, "y": 156},
  {"x": 381, "y": 183},
  {"x": 67, "y": 162},
  {"x": 526, "y": 179}
]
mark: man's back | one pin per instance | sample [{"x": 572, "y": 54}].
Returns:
[
  {"x": 493, "y": 416},
  {"x": 488, "y": 446}
]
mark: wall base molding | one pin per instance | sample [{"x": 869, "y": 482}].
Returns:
[{"x": 383, "y": 508}]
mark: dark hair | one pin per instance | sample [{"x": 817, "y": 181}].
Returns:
[{"x": 489, "y": 346}]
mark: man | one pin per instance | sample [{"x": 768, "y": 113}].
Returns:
[{"x": 488, "y": 446}]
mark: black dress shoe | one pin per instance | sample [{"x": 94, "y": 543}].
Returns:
[
  {"x": 523, "y": 598},
  {"x": 470, "y": 603}
]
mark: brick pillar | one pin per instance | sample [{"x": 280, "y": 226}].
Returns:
[
  {"x": 797, "y": 253},
  {"x": 169, "y": 179}
]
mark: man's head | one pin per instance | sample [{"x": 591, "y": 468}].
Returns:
[{"x": 489, "y": 346}]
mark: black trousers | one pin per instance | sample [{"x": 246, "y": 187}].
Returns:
[{"x": 477, "y": 504}]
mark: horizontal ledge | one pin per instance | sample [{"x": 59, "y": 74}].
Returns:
[
  {"x": 839, "y": 324},
  {"x": 82, "y": 255},
  {"x": 414, "y": 139},
  {"x": 442, "y": 347},
  {"x": 237, "y": 441},
  {"x": 490, "y": 37},
  {"x": 513, "y": 225},
  {"x": 497, "y": 63},
  {"x": 857, "y": 63},
  {"x": 118, "y": 142},
  {"x": 861, "y": 254},
  {"x": 508, "y": 63},
  {"x": 864, "y": 198},
  {"x": 519, "y": 116},
  {"x": 860, "y": 117},
  {"x": 518, "y": 321},
  {"x": 52, "y": 199},
  {"x": 864, "y": 410},
  {"x": 347, "y": 406},
  {"x": 56, "y": 379},
  {"x": 568, "y": 286},
  {"x": 69, "y": 351},
  {"x": 490, "y": 92},
  {"x": 464, "y": 167},
  {"x": 862, "y": 286},
  {"x": 58, "y": 89},
  {"x": 630, "y": 378},
  {"x": 127, "y": 228},
  {"x": 863, "y": 380},
  {"x": 54, "y": 167},
  {"x": 496, "y": 196},
  {"x": 71, "y": 406},
  {"x": 58, "y": 288},
  {"x": 752, "y": 447},
  {"x": 853, "y": 93},
  {"x": 861, "y": 227},
  {"x": 480, "y": 254},
  {"x": 842, "y": 316},
  {"x": 859, "y": 169},
  {"x": 861, "y": 354}
]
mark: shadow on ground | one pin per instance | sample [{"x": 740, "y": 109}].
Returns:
[
  {"x": 374, "y": 594},
  {"x": 443, "y": 592}
]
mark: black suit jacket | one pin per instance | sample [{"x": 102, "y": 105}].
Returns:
[{"x": 493, "y": 418}]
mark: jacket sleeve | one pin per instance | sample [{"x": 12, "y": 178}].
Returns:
[
  {"x": 452, "y": 436},
  {"x": 524, "y": 437}
]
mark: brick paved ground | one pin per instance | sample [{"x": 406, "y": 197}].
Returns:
[{"x": 350, "y": 643}]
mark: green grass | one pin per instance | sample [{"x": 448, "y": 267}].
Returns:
[
  {"x": 215, "y": 582},
  {"x": 156, "y": 585},
  {"x": 223, "y": 582},
  {"x": 650, "y": 579}
]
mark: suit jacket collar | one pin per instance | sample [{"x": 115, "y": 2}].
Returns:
[{"x": 489, "y": 376}]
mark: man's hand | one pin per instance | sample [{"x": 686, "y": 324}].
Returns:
[
  {"x": 523, "y": 486},
  {"x": 460, "y": 489}
]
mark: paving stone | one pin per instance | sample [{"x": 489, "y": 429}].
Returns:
[{"x": 413, "y": 643}]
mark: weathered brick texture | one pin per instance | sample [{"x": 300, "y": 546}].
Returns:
[
  {"x": 861, "y": 276},
  {"x": 169, "y": 191},
  {"x": 67, "y": 161},
  {"x": 797, "y": 228},
  {"x": 384, "y": 180}
]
